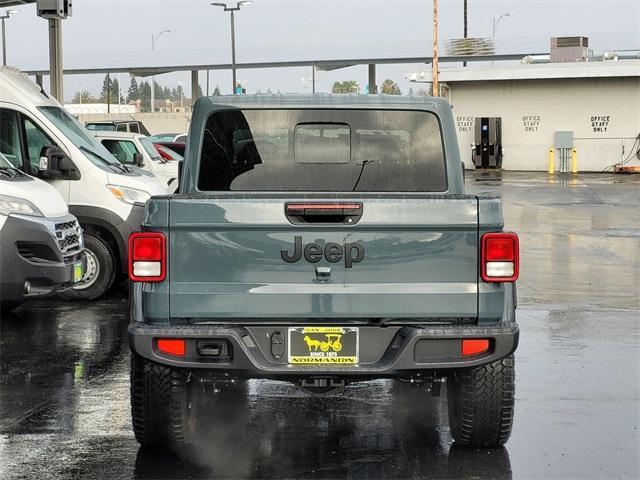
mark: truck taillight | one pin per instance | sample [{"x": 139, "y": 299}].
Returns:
[
  {"x": 500, "y": 257},
  {"x": 147, "y": 257}
]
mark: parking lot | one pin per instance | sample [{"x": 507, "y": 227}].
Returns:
[{"x": 64, "y": 381}]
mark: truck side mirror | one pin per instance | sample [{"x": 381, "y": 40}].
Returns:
[
  {"x": 54, "y": 163},
  {"x": 138, "y": 159},
  {"x": 180, "y": 165}
]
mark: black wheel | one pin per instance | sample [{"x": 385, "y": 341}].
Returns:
[
  {"x": 101, "y": 270},
  {"x": 481, "y": 404},
  {"x": 161, "y": 407}
]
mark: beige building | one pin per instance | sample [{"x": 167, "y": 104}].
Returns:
[{"x": 598, "y": 101}]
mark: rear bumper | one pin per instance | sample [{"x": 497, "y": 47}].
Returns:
[{"x": 385, "y": 352}]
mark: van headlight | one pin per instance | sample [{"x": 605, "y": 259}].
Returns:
[
  {"x": 9, "y": 205},
  {"x": 128, "y": 195}
]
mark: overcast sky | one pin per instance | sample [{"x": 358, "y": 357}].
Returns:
[{"x": 118, "y": 33}]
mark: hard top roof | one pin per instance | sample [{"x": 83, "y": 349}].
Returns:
[{"x": 400, "y": 102}]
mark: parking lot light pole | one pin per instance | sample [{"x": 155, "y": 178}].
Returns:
[
  {"x": 154, "y": 40},
  {"x": 495, "y": 25},
  {"x": 233, "y": 34},
  {"x": 4, "y": 17}
]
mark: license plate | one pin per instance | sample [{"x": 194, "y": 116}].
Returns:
[
  {"x": 323, "y": 345},
  {"x": 78, "y": 272}
]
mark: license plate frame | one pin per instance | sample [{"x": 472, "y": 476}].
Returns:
[
  {"x": 323, "y": 345},
  {"x": 78, "y": 271}
]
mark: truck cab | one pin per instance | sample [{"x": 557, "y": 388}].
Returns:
[
  {"x": 43, "y": 140},
  {"x": 41, "y": 243},
  {"x": 323, "y": 240}
]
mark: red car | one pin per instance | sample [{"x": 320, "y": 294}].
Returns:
[{"x": 170, "y": 151}]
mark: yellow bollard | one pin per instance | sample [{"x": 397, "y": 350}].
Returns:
[
  {"x": 574, "y": 161},
  {"x": 551, "y": 163}
]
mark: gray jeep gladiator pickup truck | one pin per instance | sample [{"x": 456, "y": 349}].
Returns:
[{"x": 322, "y": 240}]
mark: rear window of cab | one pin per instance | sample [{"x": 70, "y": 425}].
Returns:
[{"x": 322, "y": 150}]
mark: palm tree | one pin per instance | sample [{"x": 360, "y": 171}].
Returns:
[
  {"x": 347, "y": 86},
  {"x": 390, "y": 87}
]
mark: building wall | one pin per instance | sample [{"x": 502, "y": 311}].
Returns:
[{"x": 603, "y": 113}]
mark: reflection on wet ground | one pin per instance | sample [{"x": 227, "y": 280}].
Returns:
[{"x": 64, "y": 399}]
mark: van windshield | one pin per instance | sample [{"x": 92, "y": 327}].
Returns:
[
  {"x": 79, "y": 135},
  {"x": 4, "y": 163}
]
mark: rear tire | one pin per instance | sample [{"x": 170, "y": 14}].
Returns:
[
  {"x": 10, "y": 305},
  {"x": 161, "y": 407},
  {"x": 481, "y": 404},
  {"x": 101, "y": 270}
]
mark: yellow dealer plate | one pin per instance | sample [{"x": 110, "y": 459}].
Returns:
[
  {"x": 78, "y": 272},
  {"x": 323, "y": 345}
]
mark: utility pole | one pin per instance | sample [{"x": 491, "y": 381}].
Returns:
[
  {"x": 436, "y": 87},
  {"x": 464, "y": 64}
]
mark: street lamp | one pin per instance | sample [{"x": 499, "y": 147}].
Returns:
[
  {"x": 154, "y": 40},
  {"x": 6, "y": 15},
  {"x": 495, "y": 25},
  {"x": 233, "y": 34}
]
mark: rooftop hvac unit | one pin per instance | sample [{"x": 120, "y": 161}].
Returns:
[
  {"x": 569, "y": 49},
  {"x": 60, "y": 9}
]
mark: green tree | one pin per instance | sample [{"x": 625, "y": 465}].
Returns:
[
  {"x": 110, "y": 90},
  {"x": 216, "y": 91},
  {"x": 411, "y": 91},
  {"x": 166, "y": 93},
  {"x": 177, "y": 93},
  {"x": 134, "y": 91},
  {"x": 347, "y": 86},
  {"x": 197, "y": 94},
  {"x": 145, "y": 96},
  {"x": 390, "y": 87},
  {"x": 159, "y": 91},
  {"x": 83, "y": 96}
]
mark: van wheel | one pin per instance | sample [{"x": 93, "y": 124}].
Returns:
[
  {"x": 481, "y": 404},
  {"x": 100, "y": 274},
  {"x": 162, "y": 409}
]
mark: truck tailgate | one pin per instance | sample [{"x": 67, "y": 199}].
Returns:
[{"x": 227, "y": 259}]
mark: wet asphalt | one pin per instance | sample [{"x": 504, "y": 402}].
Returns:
[{"x": 64, "y": 386}]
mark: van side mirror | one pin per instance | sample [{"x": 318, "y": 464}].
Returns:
[
  {"x": 54, "y": 164},
  {"x": 138, "y": 159}
]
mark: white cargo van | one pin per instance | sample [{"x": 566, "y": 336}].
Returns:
[
  {"x": 40, "y": 242},
  {"x": 40, "y": 138}
]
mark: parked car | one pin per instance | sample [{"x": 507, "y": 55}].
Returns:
[
  {"x": 39, "y": 137},
  {"x": 171, "y": 150},
  {"x": 323, "y": 243},
  {"x": 41, "y": 247},
  {"x": 137, "y": 150},
  {"x": 169, "y": 137},
  {"x": 132, "y": 126}
]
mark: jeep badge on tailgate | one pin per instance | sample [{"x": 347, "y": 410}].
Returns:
[{"x": 333, "y": 252}]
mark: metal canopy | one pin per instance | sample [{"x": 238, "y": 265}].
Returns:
[
  {"x": 13, "y": 3},
  {"x": 321, "y": 65}
]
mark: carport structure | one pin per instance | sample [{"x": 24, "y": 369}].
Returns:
[
  {"x": 55, "y": 48},
  {"x": 56, "y": 71}
]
